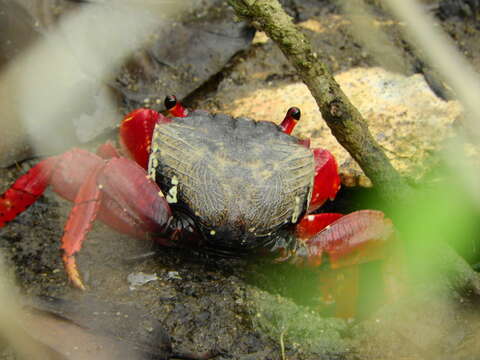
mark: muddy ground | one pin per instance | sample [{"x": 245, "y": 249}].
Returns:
[{"x": 206, "y": 303}]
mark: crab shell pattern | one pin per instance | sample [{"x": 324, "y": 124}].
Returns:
[{"x": 240, "y": 180}]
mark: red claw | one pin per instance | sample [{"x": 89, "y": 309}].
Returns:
[
  {"x": 327, "y": 181},
  {"x": 353, "y": 239},
  {"x": 116, "y": 190},
  {"x": 136, "y": 133},
  {"x": 346, "y": 241},
  {"x": 310, "y": 225}
]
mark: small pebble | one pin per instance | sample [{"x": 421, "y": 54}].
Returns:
[
  {"x": 173, "y": 275},
  {"x": 139, "y": 279}
]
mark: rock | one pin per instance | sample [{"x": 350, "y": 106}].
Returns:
[
  {"x": 296, "y": 326},
  {"x": 55, "y": 91},
  {"x": 140, "y": 278},
  {"x": 181, "y": 57},
  {"x": 403, "y": 114}
]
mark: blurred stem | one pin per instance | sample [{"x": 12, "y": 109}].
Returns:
[
  {"x": 460, "y": 273},
  {"x": 442, "y": 55},
  {"x": 344, "y": 120}
]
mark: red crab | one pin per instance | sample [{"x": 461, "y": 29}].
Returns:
[{"x": 230, "y": 186}]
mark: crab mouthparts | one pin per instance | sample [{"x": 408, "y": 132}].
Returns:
[{"x": 233, "y": 239}]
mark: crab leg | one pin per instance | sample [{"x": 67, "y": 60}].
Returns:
[
  {"x": 51, "y": 171},
  {"x": 64, "y": 172},
  {"x": 79, "y": 223},
  {"x": 107, "y": 151},
  {"x": 119, "y": 192},
  {"x": 25, "y": 191},
  {"x": 347, "y": 241}
]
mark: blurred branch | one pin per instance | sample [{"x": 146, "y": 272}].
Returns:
[
  {"x": 442, "y": 55},
  {"x": 460, "y": 273},
  {"x": 372, "y": 38},
  {"x": 59, "y": 83},
  {"x": 12, "y": 332},
  {"x": 344, "y": 120}
]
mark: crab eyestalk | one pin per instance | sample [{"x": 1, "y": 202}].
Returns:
[
  {"x": 291, "y": 119},
  {"x": 175, "y": 107}
]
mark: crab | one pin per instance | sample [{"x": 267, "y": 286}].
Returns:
[{"x": 229, "y": 186}]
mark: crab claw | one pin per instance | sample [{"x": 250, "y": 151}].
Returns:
[
  {"x": 175, "y": 107},
  {"x": 136, "y": 133},
  {"x": 346, "y": 242},
  {"x": 351, "y": 239},
  {"x": 327, "y": 181}
]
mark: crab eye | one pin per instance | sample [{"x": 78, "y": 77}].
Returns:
[
  {"x": 170, "y": 101},
  {"x": 294, "y": 112},
  {"x": 291, "y": 119},
  {"x": 174, "y": 107}
]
